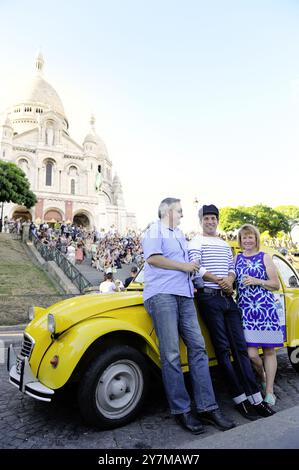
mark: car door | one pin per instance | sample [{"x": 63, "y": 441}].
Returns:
[{"x": 287, "y": 299}]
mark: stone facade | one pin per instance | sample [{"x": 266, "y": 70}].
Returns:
[{"x": 72, "y": 182}]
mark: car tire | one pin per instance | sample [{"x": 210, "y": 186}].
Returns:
[
  {"x": 294, "y": 357},
  {"x": 113, "y": 389}
]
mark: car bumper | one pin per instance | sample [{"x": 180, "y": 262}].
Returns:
[{"x": 22, "y": 377}]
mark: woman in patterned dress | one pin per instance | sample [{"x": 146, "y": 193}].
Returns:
[{"x": 256, "y": 277}]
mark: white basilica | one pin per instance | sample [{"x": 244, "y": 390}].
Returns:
[{"x": 72, "y": 182}]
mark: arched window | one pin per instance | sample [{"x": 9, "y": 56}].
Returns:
[
  {"x": 49, "y": 173},
  {"x": 73, "y": 171},
  {"x": 73, "y": 186}
]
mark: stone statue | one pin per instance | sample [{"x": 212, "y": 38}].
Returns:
[{"x": 99, "y": 180}]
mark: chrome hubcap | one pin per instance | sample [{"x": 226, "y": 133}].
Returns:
[{"x": 119, "y": 389}]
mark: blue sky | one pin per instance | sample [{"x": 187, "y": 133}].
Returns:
[{"x": 192, "y": 98}]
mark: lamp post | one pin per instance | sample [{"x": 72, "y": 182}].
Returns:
[
  {"x": 196, "y": 203},
  {"x": 4, "y": 175}
]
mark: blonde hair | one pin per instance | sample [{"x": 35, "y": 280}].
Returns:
[{"x": 249, "y": 229}]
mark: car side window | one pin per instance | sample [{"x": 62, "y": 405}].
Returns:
[{"x": 288, "y": 275}]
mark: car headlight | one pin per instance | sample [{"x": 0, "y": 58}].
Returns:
[
  {"x": 51, "y": 323},
  {"x": 31, "y": 313}
]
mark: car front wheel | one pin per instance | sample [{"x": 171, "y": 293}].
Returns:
[
  {"x": 113, "y": 388},
  {"x": 294, "y": 357}
]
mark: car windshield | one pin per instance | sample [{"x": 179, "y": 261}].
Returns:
[
  {"x": 140, "y": 276},
  {"x": 288, "y": 275}
]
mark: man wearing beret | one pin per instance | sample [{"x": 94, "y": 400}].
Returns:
[{"x": 214, "y": 283}]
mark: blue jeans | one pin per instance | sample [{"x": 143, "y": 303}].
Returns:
[
  {"x": 223, "y": 319},
  {"x": 175, "y": 315}
]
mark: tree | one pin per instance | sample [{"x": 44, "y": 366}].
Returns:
[
  {"x": 263, "y": 217},
  {"x": 14, "y": 186},
  {"x": 231, "y": 218},
  {"x": 269, "y": 219},
  {"x": 291, "y": 212}
]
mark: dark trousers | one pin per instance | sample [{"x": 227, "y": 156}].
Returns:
[{"x": 224, "y": 323}]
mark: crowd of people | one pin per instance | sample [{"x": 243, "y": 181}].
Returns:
[
  {"x": 106, "y": 251},
  {"x": 11, "y": 226}
]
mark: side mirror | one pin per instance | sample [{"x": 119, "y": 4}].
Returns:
[{"x": 293, "y": 281}]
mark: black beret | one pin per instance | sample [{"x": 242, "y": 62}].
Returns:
[{"x": 211, "y": 209}]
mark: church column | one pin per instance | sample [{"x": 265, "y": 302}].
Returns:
[
  {"x": 59, "y": 186},
  {"x": 39, "y": 209},
  {"x": 38, "y": 178},
  {"x": 68, "y": 210}
]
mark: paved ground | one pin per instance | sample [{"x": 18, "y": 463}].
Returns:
[
  {"x": 282, "y": 434},
  {"x": 28, "y": 424}
]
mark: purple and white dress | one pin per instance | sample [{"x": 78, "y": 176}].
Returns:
[{"x": 257, "y": 304}]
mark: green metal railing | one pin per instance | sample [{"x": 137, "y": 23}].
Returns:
[{"x": 52, "y": 254}]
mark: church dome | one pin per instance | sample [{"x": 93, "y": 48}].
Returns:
[
  {"x": 116, "y": 180},
  {"x": 102, "y": 149},
  {"x": 41, "y": 92},
  {"x": 90, "y": 138},
  {"x": 38, "y": 98},
  {"x": 116, "y": 184},
  {"x": 93, "y": 137}
]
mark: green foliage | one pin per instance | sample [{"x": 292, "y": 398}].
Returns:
[
  {"x": 232, "y": 218},
  {"x": 14, "y": 186},
  {"x": 263, "y": 217},
  {"x": 269, "y": 219},
  {"x": 291, "y": 212}
]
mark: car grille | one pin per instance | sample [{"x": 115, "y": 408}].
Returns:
[{"x": 27, "y": 346}]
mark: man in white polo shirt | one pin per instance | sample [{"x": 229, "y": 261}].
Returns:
[{"x": 214, "y": 283}]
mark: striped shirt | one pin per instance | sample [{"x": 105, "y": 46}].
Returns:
[{"x": 214, "y": 256}]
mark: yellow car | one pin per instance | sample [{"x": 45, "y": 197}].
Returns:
[
  {"x": 293, "y": 258},
  {"x": 107, "y": 346}
]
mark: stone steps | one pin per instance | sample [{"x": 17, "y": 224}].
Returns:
[{"x": 95, "y": 277}]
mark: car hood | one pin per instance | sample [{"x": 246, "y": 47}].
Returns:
[{"x": 71, "y": 311}]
